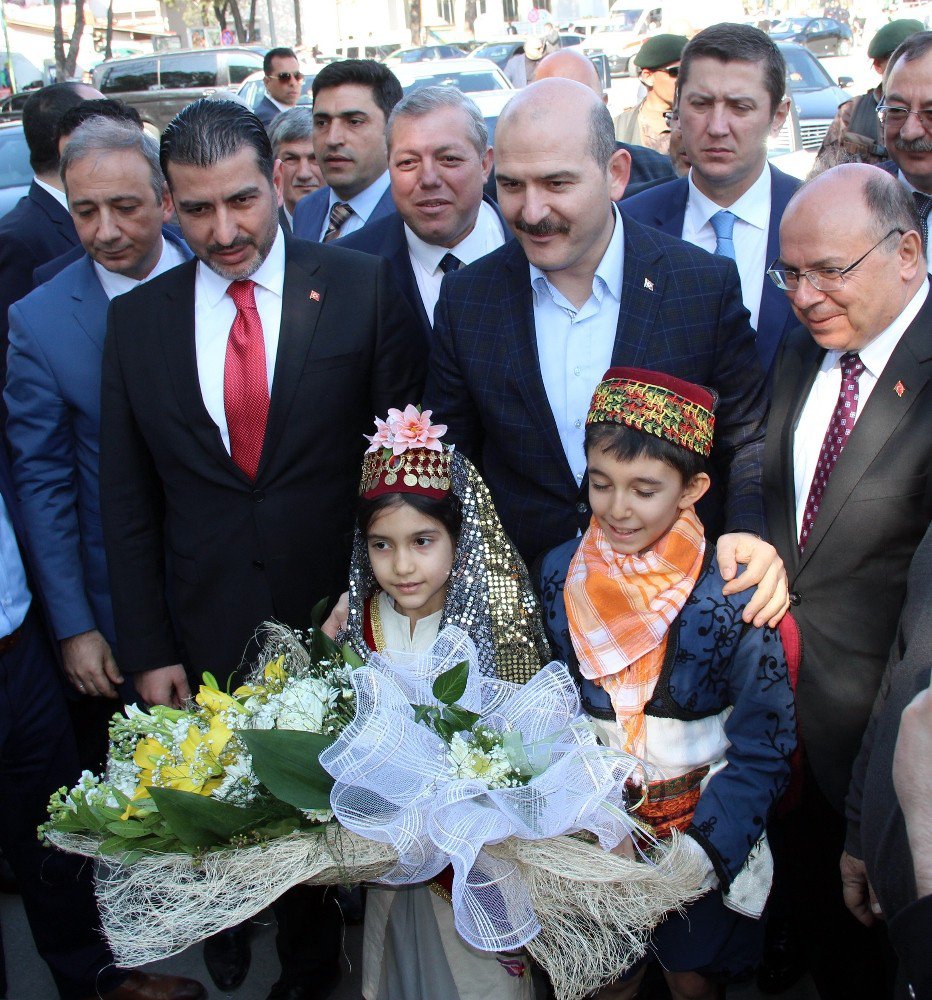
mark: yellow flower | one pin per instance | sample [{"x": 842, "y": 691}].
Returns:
[
  {"x": 213, "y": 701},
  {"x": 275, "y": 671}
]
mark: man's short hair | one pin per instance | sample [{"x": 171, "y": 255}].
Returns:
[
  {"x": 426, "y": 100},
  {"x": 915, "y": 47},
  {"x": 105, "y": 107},
  {"x": 738, "y": 43},
  {"x": 601, "y": 135},
  {"x": 279, "y": 53},
  {"x": 294, "y": 125},
  {"x": 106, "y": 135},
  {"x": 386, "y": 90},
  {"x": 41, "y": 114},
  {"x": 207, "y": 131},
  {"x": 890, "y": 205}
]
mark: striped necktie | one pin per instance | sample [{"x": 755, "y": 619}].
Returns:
[{"x": 340, "y": 212}]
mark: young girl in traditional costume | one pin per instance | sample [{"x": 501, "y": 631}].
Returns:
[
  {"x": 668, "y": 671},
  {"x": 429, "y": 551}
]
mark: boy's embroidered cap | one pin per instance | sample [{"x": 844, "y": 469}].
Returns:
[
  {"x": 658, "y": 404},
  {"x": 405, "y": 456}
]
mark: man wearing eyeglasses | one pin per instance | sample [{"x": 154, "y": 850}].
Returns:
[
  {"x": 730, "y": 99},
  {"x": 906, "y": 120},
  {"x": 848, "y": 499},
  {"x": 283, "y": 78},
  {"x": 658, "y": 61}
]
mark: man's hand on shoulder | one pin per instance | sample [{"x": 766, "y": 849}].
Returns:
[
  {"x": 89, "y": 664},
  {"x": 163, "y": 686},
  {"x": 763, "y": 569}
]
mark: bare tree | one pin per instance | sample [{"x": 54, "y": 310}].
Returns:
[
  {"x": 297, "y": 23},
  {"x": 66, "y": 63},
  {"x": 470, "y": 15},
  {"x": 413, "y": 11},
  {"x": 108, "y": 43}
]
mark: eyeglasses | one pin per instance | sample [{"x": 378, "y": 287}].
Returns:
[
  {"x": 896, "y": 116},
  {"x": 823, "y": 279},
  {"x": 286, "y": 77},
  {"x": 671, "y": 71}
]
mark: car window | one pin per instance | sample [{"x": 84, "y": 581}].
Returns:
[
  {"x": 195, "y": 69},
  {"x": 469, "y": 83},
  {"x": 137, "y": 74},
  {"x": 241, "y": 65},
  {"x": 803, "y": 72},
  {"x": 496, "y": 52},
  {"x": 14, "y": 159}
]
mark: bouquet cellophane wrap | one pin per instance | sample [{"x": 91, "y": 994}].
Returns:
[{"x": 586, "y": 917}]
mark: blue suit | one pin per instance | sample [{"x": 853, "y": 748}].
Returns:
[
  {"x": 266, "y": 112},
  {"x": 664, "y": 208},
  {"x": 311, "y": 211},
  {"x": 681, "y": 313},
  {"x": 386, "y": 238},
  {"x": 53, "y": 396}
]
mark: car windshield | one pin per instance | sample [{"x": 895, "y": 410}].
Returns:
[
  {"x": 803, "y": 72},
  {"x": 627, "y": 18},
  {"x": 495, "y": 52},
  {"x": 468, "y": 83},
  {"x": 14, "y": 159}
]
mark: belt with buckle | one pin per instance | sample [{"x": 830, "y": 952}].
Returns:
[{"x": 10, "y": 641}]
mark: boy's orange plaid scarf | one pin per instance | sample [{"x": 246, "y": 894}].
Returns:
[{"x": 620, "y": 608}]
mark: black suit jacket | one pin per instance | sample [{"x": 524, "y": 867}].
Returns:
[
  {"x": 35, "y": 230},
  {"x": 681, "y": 313},
  {"x": 266, "y": 111},
  {"x": 242, "y": 552},
  {"x": 848, "y": 586}
]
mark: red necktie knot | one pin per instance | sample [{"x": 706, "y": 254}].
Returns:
[{"x": 243, "y": 294}]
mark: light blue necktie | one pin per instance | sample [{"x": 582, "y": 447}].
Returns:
[{"x": 724, "y": 224}]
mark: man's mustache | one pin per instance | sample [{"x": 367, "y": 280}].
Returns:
[
  {"x": 546, "y": 227},
  {"x": 237, "y": 241},
  {"x": 913, "y": 145}
]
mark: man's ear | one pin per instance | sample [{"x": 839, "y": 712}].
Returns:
[
  {"x": 278, "y": 180},
  {"x": 168, "y": 206},
  {"x": 619, "y": 172},
  {"x": 695, "y": 490}
]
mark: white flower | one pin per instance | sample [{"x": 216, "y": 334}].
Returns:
[
  {"x": 123, "y": 776},
  {"x": 240, "y": 784},
  {"x": 468, "y": 761},
  {"x": 318, "y": 815}
]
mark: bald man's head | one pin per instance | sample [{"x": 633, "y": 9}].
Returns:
[{"x": 569, "y": 64}]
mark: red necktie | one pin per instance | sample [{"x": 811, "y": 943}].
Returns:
[
  {"x": 839, "y": 427},
  {"x": 245, "y": 381}
]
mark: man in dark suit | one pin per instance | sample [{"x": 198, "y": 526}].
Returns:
[
  {"x": 352, "y": 101},
  {"x": 283, "y": 78},
  {"x": 236, "y": 390},
  {"x": 292, "y": 136},
  {"x": 731, "y": 184},
  {"x": 522, "y": 337},
  {"x": 438, "y": 158},
  {"x": 846, "y": 512},
  {"x": 38, "y": 228},
  {"x": 119, "y": 201}
]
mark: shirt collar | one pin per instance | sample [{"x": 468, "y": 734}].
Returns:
[
  {"x": 59, "y": 196},
  {"x": 753, "y": 207},
  {"x": 363, "y": 204},
  {"x": 117, "y": 284},
  {"x": 278, "y": 104},
  {"x": 609, "y": 275},
  {"x": 470, "y": 248},
  {"x": 271, "y": 275}
]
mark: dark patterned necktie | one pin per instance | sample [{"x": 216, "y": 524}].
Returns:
[
  {"x": 340, "y": 212},
  {"x": 245, "y": 380},
  {"x": 724, "y": 225},
  {"x": 923, "y": 204},
  {"x": 450, "y": 263},
  {"x": 839, "y": 427}
]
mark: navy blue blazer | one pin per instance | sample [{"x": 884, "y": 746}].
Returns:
[
  {"x": 712, "y": 661},
  {"x": 310, "y": 212},
  {"x": 681, "y": 313},
  {"x": 386, "y": 238},
  {"x": 266, "y": 111},
  {"x": 53, "y": 397},
  {"x": 664, "y": 207}
]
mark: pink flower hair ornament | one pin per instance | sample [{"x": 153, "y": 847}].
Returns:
[{"x": 405, "y": 430}]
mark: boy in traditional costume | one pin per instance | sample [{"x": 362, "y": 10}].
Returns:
[{"x": 668, "y": 670}]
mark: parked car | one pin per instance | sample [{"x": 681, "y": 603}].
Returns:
[
  {"x": 815, "y": 97},
  {"x": 15, "y": 171},
  {"x": 424, "y": 53},
  {"x": 252, "y": 89},
  {"x": 823, "y": 36},
  {"x": 159, "y": 85},
  {"x": 500, "y": 51},
  {"x": 11, "y": 108}
]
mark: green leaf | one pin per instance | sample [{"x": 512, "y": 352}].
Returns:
[
  {"x": 460, "y": 718},
  {"x": 318, "y": 612},
  {"x": 129, "y": 829},
  {"x": 450, "y": 686},
  {"x": 323, "y": 647},
  {"x": 444, "y": 730},
  {"x": 287, "y": 762},
  {"x": 113, "y": 845},
  {"x": 350, "y": 657},
  {"x": 210, "y": 681},
  {"x": 199, "y": 821}
]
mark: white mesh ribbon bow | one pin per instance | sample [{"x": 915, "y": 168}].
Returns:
[{"x": 395, "y": 783}]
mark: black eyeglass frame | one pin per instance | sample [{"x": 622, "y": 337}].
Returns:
[
  {"x": 285, "y": 76},
  {"x": 776, "y": 274}
]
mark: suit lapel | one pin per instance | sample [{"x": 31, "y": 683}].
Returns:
[
  {"x": 774, "y": 309},
  {"x": 518, "y": 309},
  {"x": 90, "y": 303},
  {"x": 641, "y": 293},
  {"x": 57, "y": 215},
  {"x": 882, "y": 414},
  {"x": 395, "y": 250},
  {"x": 671, "y": 210},
  {"x": 303, "y": 296}
]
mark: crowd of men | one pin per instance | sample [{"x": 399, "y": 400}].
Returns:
[{"x": 200, "y": 331}]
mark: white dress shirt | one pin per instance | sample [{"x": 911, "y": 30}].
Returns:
[
  {"x": 59, "y": 196},
  {"x": 752, "y": 226},
  {"x": 363, "y": 205},
  {"x": 487, "y": 235},
  {"x": 816, "y": 414},
  {"x": 214, "y": 312},
  {"x": 116, "y": 284},
  {"x": 14, "y": 590},
  {"x": 574, "y": 347}
]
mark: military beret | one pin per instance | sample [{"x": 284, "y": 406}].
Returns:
[
  {"x": 890, "y": 35},
  {"x": 660, "y": 50}
]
